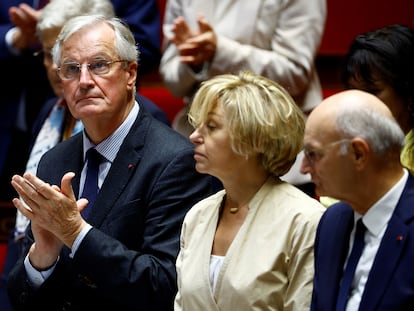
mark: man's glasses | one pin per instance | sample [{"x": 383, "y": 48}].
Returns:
[
  {"x": 71, "y": 71},
  {"x": 313, "y": 155}
]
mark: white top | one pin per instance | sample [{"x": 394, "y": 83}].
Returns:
[{"x": 215, "y": 265}]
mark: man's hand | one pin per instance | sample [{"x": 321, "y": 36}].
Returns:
[{"x": 53, "y": 211}]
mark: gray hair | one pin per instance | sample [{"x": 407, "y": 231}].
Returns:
[
  {"x": 125, "y": 45},
  {"x": 57, "y": 12},
  {"x": 381, "y": 132}
]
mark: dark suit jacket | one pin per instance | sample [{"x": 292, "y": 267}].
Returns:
[
  {"x": 127, "y": 261},
  {"x": 390, "y": 284},
  {"x": 143, "y": 17}
]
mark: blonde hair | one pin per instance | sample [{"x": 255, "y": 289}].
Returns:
[{"x": 262, "y": 117}]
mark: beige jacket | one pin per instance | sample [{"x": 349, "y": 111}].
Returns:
[
  {"x": 275, "y": 38},
  {"x": 269, "y": 265}
]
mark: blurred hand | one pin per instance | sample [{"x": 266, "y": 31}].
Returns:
[
  {"x": 24, "y": 17},
  {"x": 194, "y": 46}
]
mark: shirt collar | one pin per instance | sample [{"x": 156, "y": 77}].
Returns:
[
  {"x": 109, "y": 147},
  {"x": 378, "y": 215}
]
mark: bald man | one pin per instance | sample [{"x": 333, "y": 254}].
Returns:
[{"x": 352, "y": 146}]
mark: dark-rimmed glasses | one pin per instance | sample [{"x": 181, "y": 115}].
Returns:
[
  {"x": 71, "y": 70},
  {"x": 314, "y": 155}
]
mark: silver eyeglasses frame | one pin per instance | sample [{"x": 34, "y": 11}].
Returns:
[
  {"x": 99, "y": 67},
  {"x": 314, "y": 155}
]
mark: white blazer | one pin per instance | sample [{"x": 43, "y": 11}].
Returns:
[
  {"x": 269, "y": 265},
  {"x": 275, "y": 38}
]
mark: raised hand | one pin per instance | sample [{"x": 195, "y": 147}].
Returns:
[
  {"x": 194, "y": 46},
  {"x": 53, "y": 211},
  {"x": 24, "y": 17}
]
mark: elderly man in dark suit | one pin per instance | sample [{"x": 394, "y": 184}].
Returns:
[
  {"x": 26, "y": 87},
  {"x": 352, "y": 148},
  {"x": 118, "y": 251}
]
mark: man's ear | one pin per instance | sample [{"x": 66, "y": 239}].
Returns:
[
  {"x": 360, "y": 152},
  {"x": 132, "y": 70}
]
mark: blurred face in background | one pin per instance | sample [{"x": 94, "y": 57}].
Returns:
[
  {"x": 48, "y": 40},
  {"x": 385, "y": 92}
]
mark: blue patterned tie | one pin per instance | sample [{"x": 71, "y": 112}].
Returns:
[
  {"x": 353, "y": 259},
  {"x": 90, "y": 188}
]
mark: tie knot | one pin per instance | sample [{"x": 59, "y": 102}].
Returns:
[
  {"x": 93, "y": 157},
  {"x": 360, "y": 229}
]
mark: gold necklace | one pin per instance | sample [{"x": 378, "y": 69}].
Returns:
[{"x": 233, "y": 210}]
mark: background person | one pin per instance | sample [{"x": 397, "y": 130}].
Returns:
[
  {"x": 251, "y": 244},
  {"x": 381, "y": 62},
  {"x": 122, "y": 256},
  {"x": 24, "y": 89},
  {"x": 144, "y": 20},
  {"x": 353, "y": 144},
  {"x": 275, "y": 39}
]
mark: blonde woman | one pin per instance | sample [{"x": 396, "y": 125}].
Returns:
[{"x": 250, "y": 245}]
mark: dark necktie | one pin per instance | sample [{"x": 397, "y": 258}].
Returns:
[
  {"x": 90, "y": 188},
  {"x": 349, "y": 271}
]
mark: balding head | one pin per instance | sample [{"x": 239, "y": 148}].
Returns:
[
  {"x": 324, "y": 116},
  {"x": 355, "y": 99},
  {"x": 352, "y": 138},
  {"x": 355, "y": 113}
]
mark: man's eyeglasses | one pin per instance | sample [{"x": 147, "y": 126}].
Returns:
[
  {"x": 71, "y": 71},
  {"x": 313, "y": 155}
]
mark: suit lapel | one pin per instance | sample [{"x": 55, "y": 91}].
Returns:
[
  {"x": 121, "y": 171},
  {"x": 71, "y": 163},
  {"x": 331, "y": 248},
  {"x": 390, "y": 250},
  {"x": 336, "y": 260}
]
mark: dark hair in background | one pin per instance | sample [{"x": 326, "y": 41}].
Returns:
[{"x": 387, "y": 55}]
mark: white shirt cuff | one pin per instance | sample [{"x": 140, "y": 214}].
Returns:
[
  {"x": 79, "y": 239},
  {"x": 37, "y": 277},
  {"x": 9, "y": 41}
]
